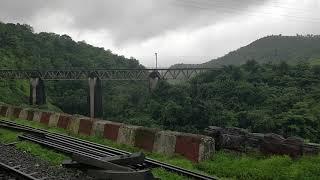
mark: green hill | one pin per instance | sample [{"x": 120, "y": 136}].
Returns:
[
  {"x": 275, "y": 49},
  {"x": 21, "y": 48}
]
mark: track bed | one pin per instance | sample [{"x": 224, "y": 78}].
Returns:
[{"x": 33, "y": 166}]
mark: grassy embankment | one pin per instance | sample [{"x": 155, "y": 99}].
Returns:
[{"x": 222, "y": 164}]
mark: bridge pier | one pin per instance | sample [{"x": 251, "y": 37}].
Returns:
[
  {"x": 153, "y": 80},
  {"x": 95, "y": 97},
  {"x": 37, "y": 92}
]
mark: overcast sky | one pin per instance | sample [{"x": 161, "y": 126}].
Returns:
[{"x": 180, "y": 31}]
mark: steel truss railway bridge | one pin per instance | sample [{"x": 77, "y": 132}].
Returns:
[{"x": 94, "y": 77}]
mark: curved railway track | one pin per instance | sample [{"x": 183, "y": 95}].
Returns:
[{"x": 70, "y": 145}]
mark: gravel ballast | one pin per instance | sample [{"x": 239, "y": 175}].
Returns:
[{"x": 29, "y": 164}]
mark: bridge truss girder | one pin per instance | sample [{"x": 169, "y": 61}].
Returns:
[{"x": 102, "y": 74}]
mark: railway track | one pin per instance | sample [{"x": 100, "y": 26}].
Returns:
[
  {"x": 71, "y": 145},
  {"x": 15, "y": 173}
]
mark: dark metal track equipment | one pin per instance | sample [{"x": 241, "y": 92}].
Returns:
[
  {"x": 73, "y": 145},
  {"x": 103, "y": 74}
]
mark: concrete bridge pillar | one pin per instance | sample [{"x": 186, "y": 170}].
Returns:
[
  {"x": 153, "y": 80},
  {"x": 37, "y": 92},
  {"x": 95, "y": 97}
]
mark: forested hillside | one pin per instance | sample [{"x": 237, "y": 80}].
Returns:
[
  {"x": 21, "y": 48},
  {"x": 263, "y": 97},
  {"x": 275, "y": 49}
]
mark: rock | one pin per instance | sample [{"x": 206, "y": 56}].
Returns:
[
  {"x": 240, "y": 140},
  {"x": 215, "y": 128},
  {"x": 294, "y": 140},
  {"x": 275, "y": 138},
  {"x": 213, "y": 131},
  {"x": 272, "y": 144},
  {"x": 235, "y": 131},
  {"x": 276, "y": 144},
  {"x": 233, "y": 142},
  {"x": 311, "y": 149},
  {"x": 253, "y": 142},
  {"x": 293, "y": 146}
]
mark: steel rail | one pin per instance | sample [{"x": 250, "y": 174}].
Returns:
[
  {"x": 17, "y": 172},
  {"x": 148, "y": 161},
  {"x": 67, "y": 148}
]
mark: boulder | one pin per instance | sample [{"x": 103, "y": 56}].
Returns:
[
  {"x": 272, "y": 144},
  {"x": 253, "y": 142},
  {"x": 235, "y": 131},
  {"x": 293, "y": 147},
  {"x": 233, "y": 142},
  {"x": 311, "y": 149},
  {"x": 276, "y": 144}
]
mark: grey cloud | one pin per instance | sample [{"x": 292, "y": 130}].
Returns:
[
  {"x": 130, "y": 20},
  {"x": 18, "y": 10}
]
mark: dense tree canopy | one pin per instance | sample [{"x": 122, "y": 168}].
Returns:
[
  {"x": 281, "y": 97},
  {"x": 263, "y": 98},
  {"x": 21, "y": 48}
]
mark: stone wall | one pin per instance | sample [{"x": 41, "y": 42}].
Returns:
[
  {"x": 194, "y": 147},
  {"x": 237, "y": 139}
]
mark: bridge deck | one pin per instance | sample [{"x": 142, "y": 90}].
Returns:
[{"x": 103, "y": 74}]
